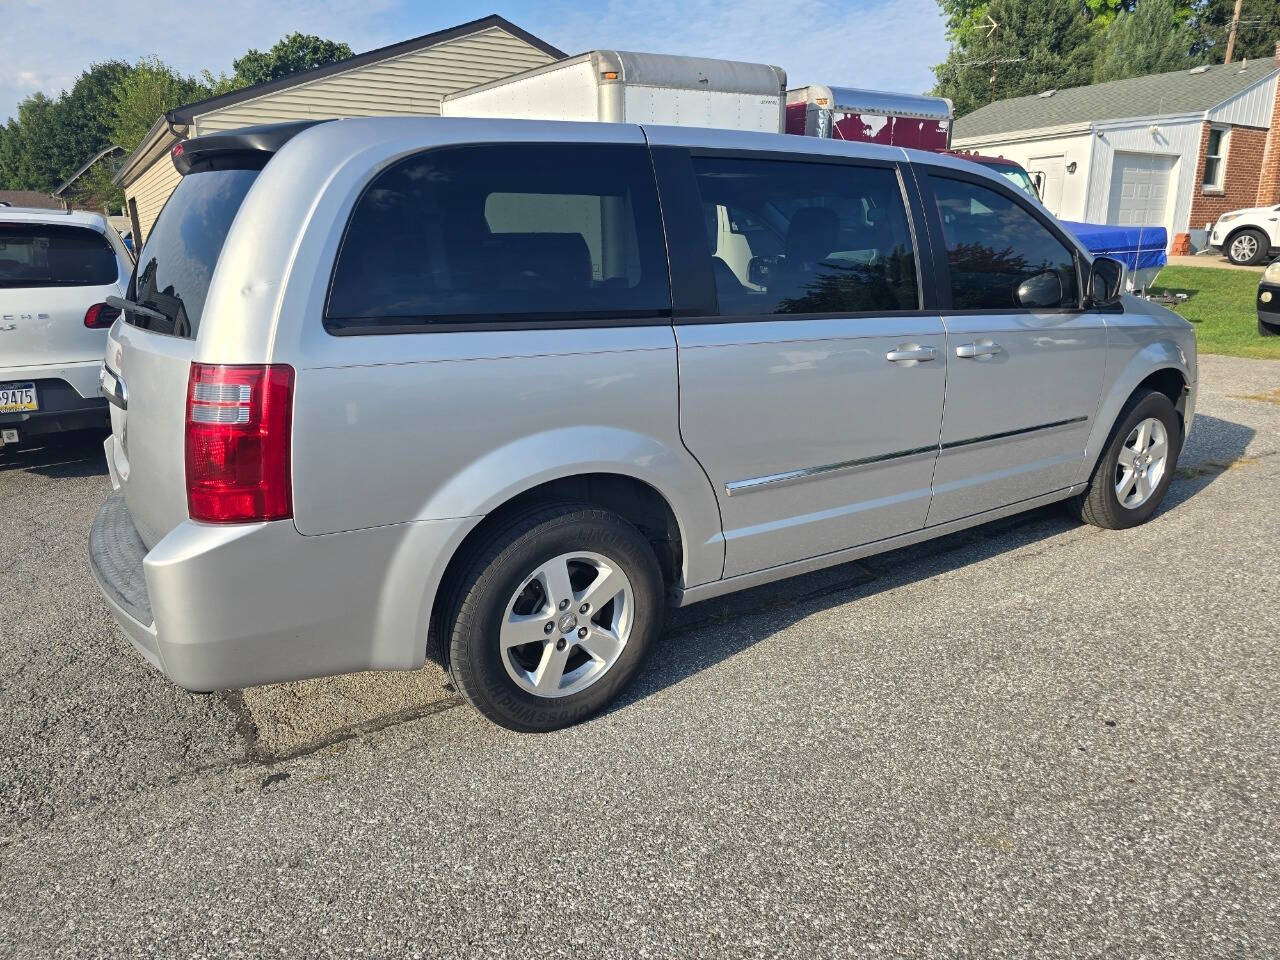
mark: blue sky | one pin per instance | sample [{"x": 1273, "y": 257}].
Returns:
[{"x": 886, "y": 44}]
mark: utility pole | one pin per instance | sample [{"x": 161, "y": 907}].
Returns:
[{"x": 1231, "y": 37}]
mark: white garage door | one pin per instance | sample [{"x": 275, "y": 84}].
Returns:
[{"x": 1140, "y": 184}]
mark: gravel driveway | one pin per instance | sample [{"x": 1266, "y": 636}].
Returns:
[{"x": 1030, "y": 739}]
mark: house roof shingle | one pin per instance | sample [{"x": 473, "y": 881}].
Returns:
[
  {"x": 30, "y": 198},
  {"x": 1155, "y": 95}
]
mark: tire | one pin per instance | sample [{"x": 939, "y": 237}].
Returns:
[
  {"x": 1100, "y": 504},
  {"x": 1247, "y": 247},
  {"x": 505, "y": 588}
]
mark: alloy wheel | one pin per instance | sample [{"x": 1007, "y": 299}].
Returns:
[
  {"x": 567, "y": 624},
  {"x": 1244, "y": 248},
  {"x": 1141, "y": 465}
]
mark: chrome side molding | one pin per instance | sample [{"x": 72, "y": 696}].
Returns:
[{"x": 774, "y": 480}]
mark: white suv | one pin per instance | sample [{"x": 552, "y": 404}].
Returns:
[
  {"x": 1247, "y": 236},
  {"x": 57, "y": 270}
]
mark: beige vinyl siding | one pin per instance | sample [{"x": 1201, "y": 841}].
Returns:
[
  {"x": 150, "y": 191},
  {"x": 413, "y": 83}
]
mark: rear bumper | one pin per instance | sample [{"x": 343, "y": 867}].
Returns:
[
  {"x": 63, "y": 404},
  {"x": 225, "y": 607}
]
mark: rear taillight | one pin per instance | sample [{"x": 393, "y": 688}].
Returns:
[
  {"x": 239, "y": 421},
  {"x": 100, "y": 316}
]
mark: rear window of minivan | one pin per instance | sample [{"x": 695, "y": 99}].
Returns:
[
  {"x": 53, "y": 255},
  {"x": 177, "y": 260},
  {"x": 492, "y": 234}
]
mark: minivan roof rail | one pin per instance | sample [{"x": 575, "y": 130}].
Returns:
[{"x": 253, "y": 145}]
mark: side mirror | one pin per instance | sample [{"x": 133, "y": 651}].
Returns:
[
  {"x": 1042, "y": 290},
  {"x": 1106, "y": 280}
]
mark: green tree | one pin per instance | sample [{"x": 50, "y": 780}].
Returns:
[
  {"x": 83, "y": 116},
  {"x": 297, "y": 51},
  {"x": 1256, "y": 38},
  {"x": 149, "y": 89},
  {"x": 1156, "y": 37},
  {"x": 28, "y": 160},
  {"x": 1036, "y": 45}
]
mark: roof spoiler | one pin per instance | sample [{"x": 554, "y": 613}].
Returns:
[{"x": 246, "y": 146}]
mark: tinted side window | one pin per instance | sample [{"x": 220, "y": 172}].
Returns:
[
  {"x": 501, "y": 233},
  {"x": 796, "y": 237},
  {"x": 995, "y": 247},
  {"x": 50, "y": 255},
  {"x": 177, "y": 261}
]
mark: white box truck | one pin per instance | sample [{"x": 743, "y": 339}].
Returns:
[{"x": 620, "y": 87}]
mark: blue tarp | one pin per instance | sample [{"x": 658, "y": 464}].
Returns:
[{"x": 1137, "y": 247}]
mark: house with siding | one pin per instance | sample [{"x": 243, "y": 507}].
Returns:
[
  {"x": 1171, "y": 149},
  {"x": 409, "y": 77}
]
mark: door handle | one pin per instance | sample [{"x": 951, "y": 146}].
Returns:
[
  {"x": 909, "y": 352},
  {"x": 971, "y": 350}
]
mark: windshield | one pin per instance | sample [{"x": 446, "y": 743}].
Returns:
[
  {"x": 1011, "y": 172},
  {"x": 52, "y": 255},
  {"x": 177, "y": 261}
]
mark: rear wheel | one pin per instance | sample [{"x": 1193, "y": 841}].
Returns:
[
  {"x": 1247, "y": 247},
  {"x": 1136, "y": 467},
  {"x": 557, "y": 613}
]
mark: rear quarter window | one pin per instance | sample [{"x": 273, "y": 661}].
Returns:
[
  {"x": 52, "y": 255},
  {"x": 510, "y": 233},
  {"x": 177, "y": 260}
]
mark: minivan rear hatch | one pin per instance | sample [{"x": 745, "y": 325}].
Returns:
[{"x": 150, "y": 353}]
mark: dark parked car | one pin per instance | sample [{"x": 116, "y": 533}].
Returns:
[{"x": 1269, "y": 301}]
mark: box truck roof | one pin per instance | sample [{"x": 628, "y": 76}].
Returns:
[
  {"x": 658, "y": 70},
  {"x": 879, "y": 102}
]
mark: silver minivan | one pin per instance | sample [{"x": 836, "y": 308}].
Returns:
[{"x": 495, "y": 392}]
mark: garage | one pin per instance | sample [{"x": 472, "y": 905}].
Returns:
[
  {"x": 1140, "y": 189},
  {"x": 1137, "y": 152}
]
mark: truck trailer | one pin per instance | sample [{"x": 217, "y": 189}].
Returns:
[
  {"x": 870, "y": 116},
  {"x": 617, "y": 86}
]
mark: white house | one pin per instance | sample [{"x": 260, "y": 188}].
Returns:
[{"x": 1170, "y": 149}]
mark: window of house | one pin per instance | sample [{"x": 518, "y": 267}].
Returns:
[
  {"x": 1215, "y": 158},
  {"x": 795, "y": 237},
  {"x": 514, "y": 232}
]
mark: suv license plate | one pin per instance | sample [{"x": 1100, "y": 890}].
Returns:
[{"x": 18, "y": 398}]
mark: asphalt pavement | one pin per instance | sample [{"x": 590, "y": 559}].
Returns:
[{"x": 1032, "y": 739}]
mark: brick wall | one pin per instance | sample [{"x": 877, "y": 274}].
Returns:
[
  {"x": 1269, "y": 181},
  {"x": 1241, "y": 181}
]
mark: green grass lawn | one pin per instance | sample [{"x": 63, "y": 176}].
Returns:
[{"x": 1223, "y": 306}]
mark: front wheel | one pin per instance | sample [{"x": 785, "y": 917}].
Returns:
[
  {"x": 1136, "y": 467},
  {"x": 1248, "y": 247},
  {"x": 556, "y": 616}
]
